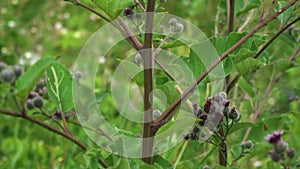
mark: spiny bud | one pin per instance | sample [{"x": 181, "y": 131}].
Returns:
[
  {"x": 280, "y": 146},
  {"x": 206, "y": 167},
  {"x": 173, "y": 21},
  {"x": 177, "y": 28},
  {"x": 29, "y": 104},
  {"x": 38, "y": 102},
  {"x": 290, "y": 153},
  {"x": 275, "y": 156},
  {"x": 193, "y": 136},
  {"x": 196, "y": 129},
  {"x": 127, "y": 12},
  {"x": 156, "y": 114},
  {"x": 186, "y": 136},
  {"x": 7, "y": 75},
  {"x": 247, "y": 145},
  {"x": 2, "y": 66},
  {"x": 18, "y": 70}
]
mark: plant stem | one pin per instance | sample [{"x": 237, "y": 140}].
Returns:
[
  {"x": 171, "y": 110},
  {"x": 148, "y": 60}
]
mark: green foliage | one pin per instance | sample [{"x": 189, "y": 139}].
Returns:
[
  {"x": 27, "y": 81},
  {"x": 113, "y": 8},
  {"x": 59, "y": 84}
]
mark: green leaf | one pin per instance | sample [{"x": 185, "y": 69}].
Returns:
[
  {"x": 246, "y": 87},
  {"x": 286, "y": 14},
  {"x": 284, "y": 65},
  {"x": 113, "y": 8},
  {"x": 248, "y": 65},
  {"x": 162, "y": 162},
  {"x": 241, "y": 125},
  {"x": 240, "y": 6},
  {"x": 59, "y": 85},
  {"x": 27, "y": 81}
]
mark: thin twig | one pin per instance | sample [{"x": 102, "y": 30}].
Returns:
[{"x": 140, "y": 5}]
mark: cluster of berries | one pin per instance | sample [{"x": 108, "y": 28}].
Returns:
[
  {"x": 175, "y": 26},
  {"x": 57, "y": 114},
  {"x": 35, "y": 98},
  {"x": 212, "y": 114},
  {"x": 280, "y": 148},
  {"x": 8, "y": 74}
]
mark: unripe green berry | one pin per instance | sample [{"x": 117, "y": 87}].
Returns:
[
  {"x": 29, "y": 104},
  {"x": 38, "y": 102},
  {"x": 18, "y": 70},
  {"x": 7, "y": 75},
  {"x": 2, "y": 66}
]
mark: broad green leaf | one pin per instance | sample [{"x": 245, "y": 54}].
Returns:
[
  {"x": 59, "y": 85},
  {"x": 162, "y": 162},
  {"x": 122, "y": 163},
  {"x": 240, "y": 125},
  {"x": 286, "y": 14},
  {"x": 248, "y": 65},
  {"x": 27, "y": 81},
  {"x": 125, "y": 132},
  {"x": 91, "y": 158},
  {"x": 284, "y": 65},
  {"x": 246, "y": 87},
  {"x": 99, "y": 98},
  {"x": 236, "y": 150},
  {"x": 113, "y": 8},
  {"x": 243, "y": 52},
  {"x": 240, "y": 6},
  {"x": 170, "y": 89}
]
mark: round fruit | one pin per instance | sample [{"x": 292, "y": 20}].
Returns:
[
  {"x": 38, "y": 102},
  {"x": 29, "y": 104},
  {"x": 2, "y": 66},
  {"x": 18, "y": 70},
  {"x": 7, "y": 75}
]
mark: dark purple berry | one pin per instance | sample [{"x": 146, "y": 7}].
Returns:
[
  {"x": 18, "y": 70},
  {"x": 186, "y": 137},
  {"x": 233, "y": 113},
  {"x": 207, "y": 105},
  {"x": 57, "y": 114},
  {"x": 193, "y": 136},
  {"x": 7, "y": 75},
  {"x": 29, "y": 104},
  {"x": 127, "y": 12},
  {"x": 275, "y": 137},
  {"x": 290, "y": 153},
  {"x": 196, "y": 129},
  {"x": 226, "y": 103},
  {"x": 38, "y": 102},
  {"x": 32, "y": 95}
]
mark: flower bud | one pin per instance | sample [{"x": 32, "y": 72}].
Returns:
[
  {"x": 290, "y": 153},
  {"x": 280, "y": 146}
]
